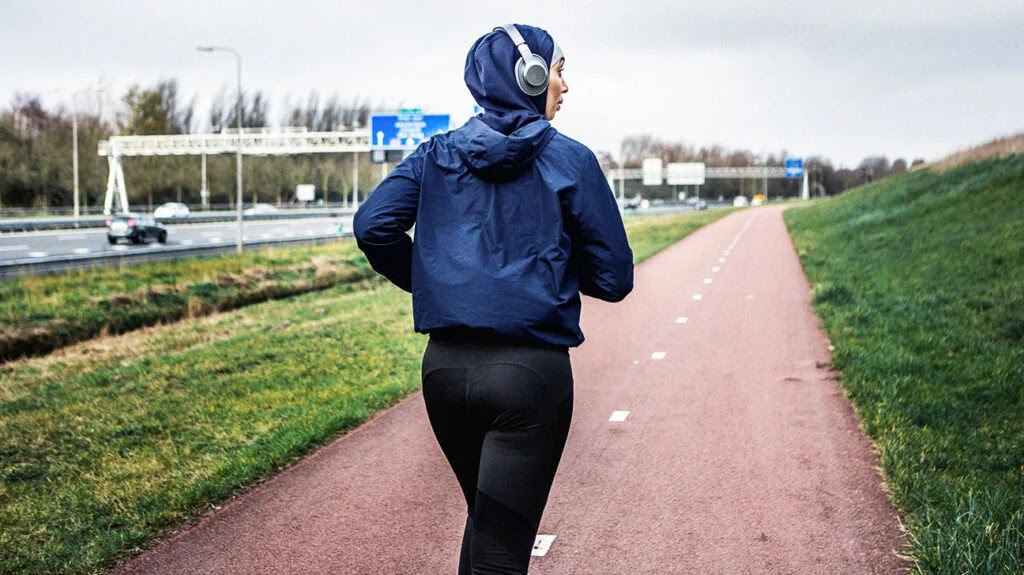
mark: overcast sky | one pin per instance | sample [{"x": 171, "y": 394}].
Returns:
[{"x": 843, "y": 79}]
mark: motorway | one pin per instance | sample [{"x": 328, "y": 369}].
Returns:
[
  {"x": 60, "y": 249},
  {"x": 47, "y": 244}
]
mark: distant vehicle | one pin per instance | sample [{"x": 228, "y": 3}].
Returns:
[
  {"x": 740, "y": 202},
  {"x": 632, "y": 203},
  {"x": 758, "y": 200},
  {"x": 171, "y": 210},
  {"x": 700, "y": 205},
  {"x": 135, "y": 228},
  {"x": 260, "y": 210}
]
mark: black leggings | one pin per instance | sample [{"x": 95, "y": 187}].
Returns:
[{"x": 501, "y": 415}]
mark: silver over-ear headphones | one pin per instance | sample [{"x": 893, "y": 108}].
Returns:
[{"x": 531, "y": 69}]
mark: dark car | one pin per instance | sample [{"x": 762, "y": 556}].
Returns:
[{"x": 136, "y": 228}]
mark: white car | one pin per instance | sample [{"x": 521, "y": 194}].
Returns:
[
  {"x": 740, "y": 202},
  {"x": 171, "y": 210},
  {"x": 260, "y": 210}
]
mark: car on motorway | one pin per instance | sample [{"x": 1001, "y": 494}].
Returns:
[
  {"x": 135, "y": 228},
  {"x": 260, "y": 210},
  {"x": 170, "y": 211}
]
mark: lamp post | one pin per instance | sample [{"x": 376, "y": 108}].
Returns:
[
  {"x": 238, "y": 117},
  {"x": 74, "y": 143}
]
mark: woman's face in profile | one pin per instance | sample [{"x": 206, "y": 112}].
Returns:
[{"x": 556, "y": 87}]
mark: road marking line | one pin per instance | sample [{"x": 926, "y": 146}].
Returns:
[
  {"x": 681, "y": 320},
  {"x": 658, "y": 355},
  {"x": 13, "y": 248},
  {"x": 81, "y": 251},
  {"x": 726, "y": 253},
  {"x": 619, "y": 416},
  {"x": 187, "y": 242},
  {"x": 707, "y": 280},
  {"x": 215, "y": 240},
  {"x": 542, "y": 544},
  {"x": 71, "y": 238},
  {"x": 265, "y": 236},
  {"x": 716, "y": 269},
  {"x": 37, "y": 254},
  {"x": 721, "y": 260},
  {"x": 698, "y": 296}
]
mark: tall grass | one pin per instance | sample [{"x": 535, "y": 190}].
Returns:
[{"x": 919, "y": 281}]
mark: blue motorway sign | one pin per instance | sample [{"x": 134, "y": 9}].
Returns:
[
  {"x": 406, "y": 129},
  {"x": 794, "y": 167}
]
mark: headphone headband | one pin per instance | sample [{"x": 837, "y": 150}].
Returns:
[
  {"x": 531, "y": 70},
  {"x": 517, "y": 39}
]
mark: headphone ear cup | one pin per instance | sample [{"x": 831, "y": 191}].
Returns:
[{"x": 532, "y": 75}]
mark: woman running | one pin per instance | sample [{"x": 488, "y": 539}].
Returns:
[{"x": 513, "y": 222}]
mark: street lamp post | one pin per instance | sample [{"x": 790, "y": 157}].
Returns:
[
  {"x": 238, "y": 117},
  {"x": 74, "y": 145}
]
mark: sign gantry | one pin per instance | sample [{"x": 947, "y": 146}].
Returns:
[{"x": 253, "y": 143}]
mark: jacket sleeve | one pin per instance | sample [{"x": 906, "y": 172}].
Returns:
[
  {"x": 606, "y": 260},
  {"x": 381, "y": 223}
]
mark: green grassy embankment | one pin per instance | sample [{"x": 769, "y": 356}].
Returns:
[
  {"x": 109, "y": 442},
  {"x": 41, "y": 313},
  {"x": 919, "y": 281}
]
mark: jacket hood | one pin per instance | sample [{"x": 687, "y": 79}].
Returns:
[
  {"x": 490, "y": 76},
  {"x": 493, "y": 156}
]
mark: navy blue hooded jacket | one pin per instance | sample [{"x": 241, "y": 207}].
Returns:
[{"x": 513, "y": 220}]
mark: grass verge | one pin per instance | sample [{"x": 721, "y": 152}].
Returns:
[
  {"x": 649, "y": 235},
  {"x": 41, "y": 313},
  {"x": 919, "y": 281},
  {"x": 106, "y": 443}
]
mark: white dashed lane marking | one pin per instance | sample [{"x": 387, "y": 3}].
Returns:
[
  {"x": 37, "y": 254},
  {"x": 681, "y": 320},
  {"x": 698, "y": 296},
  {"x": 721, "y": 260},
  {"x": 13, "y": 248},
  {"x": 716, "y": 269},
  {"x": 81, "y": 251},
  {"x": 542, "y": 544},
  {"x": 658, "y": 355},
  {"x": 619, "y": 416},
  {"x": 707, "y": 280}
]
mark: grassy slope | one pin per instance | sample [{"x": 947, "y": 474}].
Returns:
[
  {"x": 105, "y": 443},
  {"x": 919, "y": 280},
  {"x": 41, "y": 313}
]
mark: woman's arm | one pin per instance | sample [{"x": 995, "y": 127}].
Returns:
[
  {"x": 382, "y": 221},
  {"x": 606, "y": 260}
]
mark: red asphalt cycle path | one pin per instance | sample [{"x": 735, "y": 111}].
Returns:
[{"x": 740, "y": 453}]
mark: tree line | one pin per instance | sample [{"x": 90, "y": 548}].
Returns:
[
  {"x": 36, "y": 150},
  {"x": 824, "y": 178}
]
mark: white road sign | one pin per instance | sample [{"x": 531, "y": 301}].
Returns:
[
  {"x": 686, "y": 174},
  {"x": 652, "y": 172}
]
